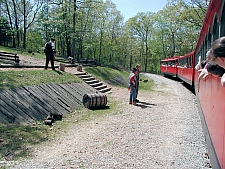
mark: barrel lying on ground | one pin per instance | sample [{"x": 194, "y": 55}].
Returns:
[{"x": 94, "y": 100}]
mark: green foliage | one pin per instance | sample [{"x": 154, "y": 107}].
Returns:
[
  {"x": 35, "y": 42},
  {"x": 5, "y": 32},
  {"x": 13, "y": 79},
  {"x": 96, "y": 30}
]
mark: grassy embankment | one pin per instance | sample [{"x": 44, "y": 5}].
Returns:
[
  {"x": 108, "y": 74},
  {"x": 15, "y": 139},
  {"x": 22, "y": 52}
]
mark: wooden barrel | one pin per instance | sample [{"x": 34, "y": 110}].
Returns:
[{"x": 94, "y": 100}]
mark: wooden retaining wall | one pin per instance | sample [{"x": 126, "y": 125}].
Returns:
[{"x": 26, "y": 105}]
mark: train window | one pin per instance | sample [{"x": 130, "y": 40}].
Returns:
[
  {"x": 179, "y": 62},
  {"x": 209, "y": 42},
  {"x": 191, "y": 60},
  {"x": 188, "y": 62},
  {"x": 163, "y": 63},
  {"x": 197, "y": 58},
  {"x": 205, "y": 45},
  {"x": 183, "y": 62},
  {"x": 203, "y": 56},
  {"x": 173, "y": 63},
  {"x": 222, "y": 29},
  {"x": 215, "y": 30}
]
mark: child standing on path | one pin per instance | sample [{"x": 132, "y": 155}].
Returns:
[{"x": 133, "y": 86}]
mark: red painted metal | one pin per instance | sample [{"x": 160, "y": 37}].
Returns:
[
  {"x": 211, "y": 97},
  {"x": 163, "y": 69},
  {"x": 209, "y": 92},
  {"x": 169, "y": 66},
  {"x": 186, "y": 72}
]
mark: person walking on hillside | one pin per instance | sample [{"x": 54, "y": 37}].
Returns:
[{"x": 50, "y": 53}]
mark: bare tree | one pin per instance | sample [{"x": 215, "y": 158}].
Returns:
[
  {"x": 28, "y": 10},
  {"x": 10, "y": 21}
]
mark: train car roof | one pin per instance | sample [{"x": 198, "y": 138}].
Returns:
[
  {"x": 214, "y": 7},
  {"x": 189, "y": 54},
  {"x": 170, "y": 59}
]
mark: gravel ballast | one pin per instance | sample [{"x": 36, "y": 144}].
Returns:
[{"x": 163, "y": 131}]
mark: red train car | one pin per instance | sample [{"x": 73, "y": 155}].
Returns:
[
  {"x": 168, "y": 66},
  {"x": 185, "y": 68},
  {"x": 209, "y": 92}
]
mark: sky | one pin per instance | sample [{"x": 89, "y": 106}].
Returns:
[{"x": 130, "y": 8}]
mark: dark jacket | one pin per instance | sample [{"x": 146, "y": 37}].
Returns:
[{"x": 49, "y": 49}]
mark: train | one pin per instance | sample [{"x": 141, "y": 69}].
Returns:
[{"x": 209, "y": 92}]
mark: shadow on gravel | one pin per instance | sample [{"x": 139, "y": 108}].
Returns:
[
  {"x": 99, "y": 108},
  {"x": 189, "y": 87},
  {"x": 173, "y": 78},
  {"x": 186, "y": 85},
  {"x": 145, "y": 105}
]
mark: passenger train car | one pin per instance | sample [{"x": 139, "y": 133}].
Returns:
[
  {"x": 185, "y": 68},
  {"x": 169, "y": 66},
  {"x": 209, "y": 93}
]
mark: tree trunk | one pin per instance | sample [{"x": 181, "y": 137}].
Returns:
[
  {"x": 24, "y": 24},
  {"x": 16, "y": 24},
  {"x": 10, "y": 21},
  {"x": 100, "y": 47},
  {"x": 74, "y": 30},
  {"x": 146, "y": 52}
]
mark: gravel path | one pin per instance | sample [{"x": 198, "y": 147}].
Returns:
[{"x": 162, "y": 132}]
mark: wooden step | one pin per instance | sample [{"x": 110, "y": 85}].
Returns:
[
  {"x": 88, "y": 78},
  {"x": 80, "y": 73},
  {"x": 96, "y": 84},
  {"x": 105, "y": 90},
  {"x": 84, "y": 76},
  {"x": 109, "y": 92},
  {"x": 92, "y": 81},
  {"x": 100, "y": 87}
]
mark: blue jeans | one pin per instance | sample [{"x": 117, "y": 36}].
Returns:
[{"x": 133, "y": 93}]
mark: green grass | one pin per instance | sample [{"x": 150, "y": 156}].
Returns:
[
  {"x": 16, "y": 139},
  {"x": 106, "y": 74},
  {"x": 13, "y": 79},
  {"x": 146, "y": 86}
]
